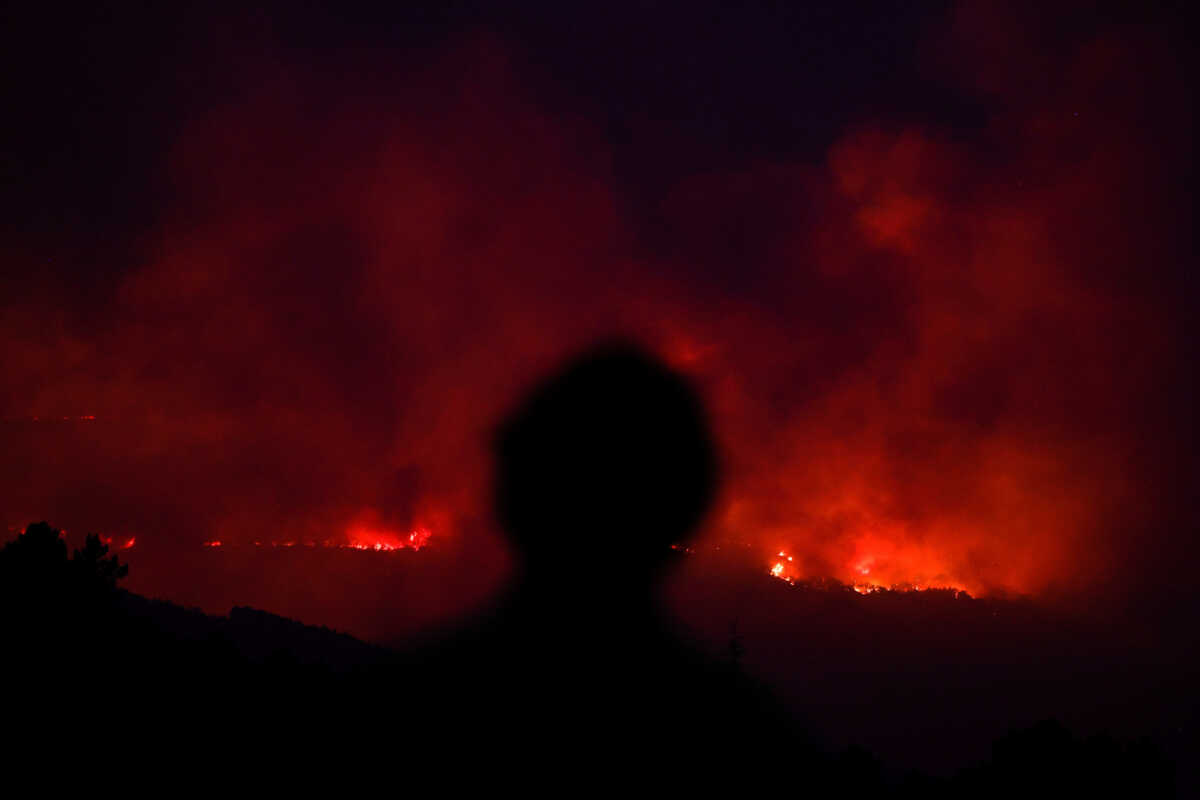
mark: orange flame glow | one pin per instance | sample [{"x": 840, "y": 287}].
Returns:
[
  {"x": 365, "y": 538},
  {"x": 358, "y": 537},
  {"x": 784, "y": 569}
]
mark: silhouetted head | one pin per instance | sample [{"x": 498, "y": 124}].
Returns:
[{"x": 604, "y": 466}]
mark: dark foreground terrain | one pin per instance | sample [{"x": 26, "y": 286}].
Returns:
[{"x": 875, "y": 698}]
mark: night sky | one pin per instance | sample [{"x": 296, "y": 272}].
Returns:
[{"x": 930, "y": 265}]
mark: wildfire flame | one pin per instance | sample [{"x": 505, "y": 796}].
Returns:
[
  {"x": 357, "y": 538},
  {"x": 783, "y": 569},
  {"x": 782, "y": 566},
  {"x": 363, "y": 538}
]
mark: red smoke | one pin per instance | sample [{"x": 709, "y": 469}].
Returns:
[{"x": 928, "y": 356}]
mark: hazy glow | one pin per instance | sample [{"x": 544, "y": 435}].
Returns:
[{"x": 931, "y": 356}]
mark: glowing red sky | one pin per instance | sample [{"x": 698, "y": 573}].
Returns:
[{"x": 942, "y": 357}]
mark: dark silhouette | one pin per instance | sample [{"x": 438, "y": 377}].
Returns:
[
  {"x": 1047, "y": 760},
  {"x": 41, "y": 586},
  {"x": 85, "y": 659},
  {"x": 510, "y": 703},
  {"x": 598, "y": 473}
]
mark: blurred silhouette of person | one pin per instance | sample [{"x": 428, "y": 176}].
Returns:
[{"x": 598, "y": 473}]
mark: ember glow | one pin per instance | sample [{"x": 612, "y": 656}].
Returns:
[{"x": 120, "y": 544}]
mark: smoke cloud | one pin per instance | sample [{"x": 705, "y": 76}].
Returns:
[{"x": 931, "y": 356}]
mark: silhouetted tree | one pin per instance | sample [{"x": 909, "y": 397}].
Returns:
[
  {"x": 36, "y": 555},
  {"x": 95, "y": 568},
  {"x": 41, "y": 588}
]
